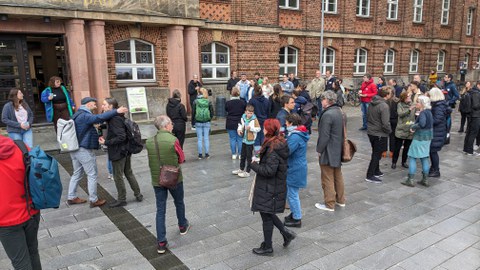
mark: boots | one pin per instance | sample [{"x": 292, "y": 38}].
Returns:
[
  {"x": 434, "y": 173},
  {"x": 263, "y": 250},
  {"x": 424, "y": 181},
  {"x": 288, "y": 236},
  {"x": 409, "y": 181}
]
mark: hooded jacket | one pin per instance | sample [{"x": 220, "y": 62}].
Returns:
[
  {"x": 176, "y": 111},
  {"x": 249, "y": 136},
  {"x": 378, "y": 117},
  {"x": 270, "y": 189},
  {"x": 13, "y": 207},
  {"x": 262, "y": 106},
  {"x": 370, "y": 89},
  {"x": 297, "y": 159}
]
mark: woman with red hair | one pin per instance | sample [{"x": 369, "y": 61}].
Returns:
[{"x": 269, "y": 192}]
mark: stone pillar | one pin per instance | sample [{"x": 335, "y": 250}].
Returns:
[
  {"x": 97, "y": 58},
  {"x": 77, "y": 58},
  {"x": 192, "y": 65},
  {"x": 49, "y": 59},
  {"x": 176, "y": 60}
]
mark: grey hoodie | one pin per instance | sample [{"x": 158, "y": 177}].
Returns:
[{"x": 378, "y": 117}]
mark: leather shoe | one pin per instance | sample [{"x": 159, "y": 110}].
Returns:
[
  {"x": 288, "y": 236},
  {"x": 263, "y": 250},
  {"x": 394, "y": 166},
  {"x": 404, "y": 165},
  {"x": 293, "y": 223},
  {"x": 117, "y": 204},
  {"x": 76, "y": 201},
  {"x": 434, "y": 174},
  {"x": 98, "y": 203}
]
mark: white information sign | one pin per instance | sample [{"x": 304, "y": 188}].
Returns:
[{"x": 137, "y": 101}]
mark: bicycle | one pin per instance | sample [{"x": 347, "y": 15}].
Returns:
[{"x": 352, "y": 97}]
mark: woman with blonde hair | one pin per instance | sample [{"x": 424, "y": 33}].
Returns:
[{"x": 202, "y": 110}]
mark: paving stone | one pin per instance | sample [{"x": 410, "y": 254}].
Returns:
[
  {"x": 78, "y": 226},
  {"x": 71, "y": 259},
  {"x": 471, "y": 215},
  {"x": 474, "y": 229},
  {"x": 457, "y": 242},
  {"x": 419, "y": 241},
  {"x": 449, "y": 226},
  {"x": 218, "y": 266},
  {"x": 426, "y": 259},
  {"x": 111, "y": 260},
  {"x": 62, "y": 239},
  {"x": 307, "y": 266},
  {"x": 137, "y": 264},
  {"x": 383, "y": 259},
  {"x": 341, "y": 258},
  {"x": 89, "y": 242}
]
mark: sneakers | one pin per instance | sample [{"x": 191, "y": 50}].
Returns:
[
  {"x": 162, "y": 247},
  {"x": 244, "y": 174},
  {"x": 193, "y": 128},
  {"x": 467, "y": 154},
  {"x": 237, "y": 172},
  {"x": 207, "y": 156},
  {"x": 76, "y": 201},
  {"x": 184, "y": 229},
  {"x": 234, "y": 157},
  {"x": 379, "y": 174},
  {"x": 117, "y": 204},
  {"x": 110, "y": 176},
  {"x": 476, "y": 147},
  {"x": 322, "y": 206},
  {"x": 362, "y": 128},
  {"x": 373, "y": 179},
  {"x": 98, "y": 203},
  {"x": 340, "y": 204},
  {"x": 200, "y": 156}
]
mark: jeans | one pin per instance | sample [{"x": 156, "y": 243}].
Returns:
[
  {"x": 379, "y": 145},
  {"x": 412, "y": 165},
  {"x": 435, "y": 159},
  {"x": 84, "y": 161},
  {"x": 260, "y": 137},
  {"x": 235, "y": 142},
  {"x": 21, "y": 244},
  {"x": 247, "y": 150},
  {"x": 473, "y": 131},
  {"x": 161, "y": 195},
  {"x": 25, "y": 135},
  {"x": 203, "y": 133},
  {"x": 294, "y": 201},
  {"x": 319, "y": 105},
  {"x": 121, "y": 167},
  {"x": 109, "y": 165},
  {"x": 364, "y": 107}
]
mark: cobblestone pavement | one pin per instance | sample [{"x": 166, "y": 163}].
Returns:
[{"x": 387, "y": 226}]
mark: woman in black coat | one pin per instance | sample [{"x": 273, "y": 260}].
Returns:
[
  {"x": 177, "y": 113},
  {"x": 440, "y": 112},
  {"x": 275, "y": 101},
  {"x": 235, "y": 108},
  {"x": 270, "y": 190}
]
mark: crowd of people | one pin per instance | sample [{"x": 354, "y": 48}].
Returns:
[{"x": 268, "y": 126}]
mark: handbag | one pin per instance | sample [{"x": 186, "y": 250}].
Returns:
[
  {"x": 348, "y": 147},
  {"x": 169, "y": 174}
]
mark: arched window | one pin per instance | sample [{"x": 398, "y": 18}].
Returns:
[
  {"x": 389, "y": 64},
  {"x": 360, "y": 63},
  {"x": 288, "y": 60},
  {"x": 441, "y": 61},
  {"x": 328, "y": 61},
  {"x": 414, "y": 56},
  {"x": 215, "y": 61},
  {"x": 134, "y": 60}
]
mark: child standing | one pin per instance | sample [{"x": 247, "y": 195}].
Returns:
[{"x": 248, "y": 129}]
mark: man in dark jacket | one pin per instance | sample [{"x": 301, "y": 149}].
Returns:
[
  {"x": 329, "y": 149},
  {"x": 329, "y": 80},
  {"x": 450, "y": 91},
  {"x": 177, "y": 113},
  {"x": 288, "y": 105},
  {"x": 378, "y": 117},
  {"x": 291, "y": 77},
  {"x": 84, "y": 159},
  {"x": 262, "y": 106},
  {"x": 473, "y": 128},
  {"x": 397, "y": 88},
  {"x": 232, "y": 81},
  {"x": 193, "y": 86}
]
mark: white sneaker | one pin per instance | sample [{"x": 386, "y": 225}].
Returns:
[
  {"x": 237, "y": 172},
  {"x": 475, "y": 147},
  {"x": 193, "y": 128},
  {"x": 110, "y": 176},
  {"x": 322, "y": 206},
  {"x": 340, "y": 204},
  {"x": 244, "y": 174},
  {"x": 234, "y": 156}
]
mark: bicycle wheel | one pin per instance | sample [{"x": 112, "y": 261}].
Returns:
[{"x": 356, "y": 100}]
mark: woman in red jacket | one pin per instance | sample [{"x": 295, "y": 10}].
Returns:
[{"x": 18, "y": 225}]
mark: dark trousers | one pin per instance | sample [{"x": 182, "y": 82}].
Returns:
[
  {"x": 435, "y": 161},
  {"x": 391, "y": 137},
  {"x": 379, "y": 145},
  {"x": 192, "y": 100},
  {"x": 21, "y": 244},
  {"x": 247, "y": 150},
  {"x": 398, "y": 145},
  {"x": 270, "y": 220},
  {"x": 179, "y": 132},
  {"x": 473, "y": 129},
  {"x": 463, "y": 120},
  {"x": 121, "y": 167}
]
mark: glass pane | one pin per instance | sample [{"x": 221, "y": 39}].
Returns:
[
  {"x": 141, "y": 46},
  {"x": 207, "y": 73},
  {"x": 206, "y": 58},
  {"x": 144, "y": 73},
  {"x": 292, "y": 3},
  {"x": 7, "y": 45},
  {"x": 11, "y": 59},
  {"x": 361, "y": 69},
  {"x": 292, "y": 70},
  {"x": 330, "y": 6},
  {"x": 282, "y": 58},
  {"x": 7, "y": 83},
  {"x": 124, "y": 45},
  {"x": 281, "y": 71},
  {"x": 222, "y": 58},
  {"x": 123, "y": 57},
  {"x": 12, "y": 70},
  {"x": 292, "y": 51},
  {"x": 220, "y": 48},
  {"x": 292, "y": 59},
  {"x": 124, "y": 73},
  {"x": 207, "y": 48},
  {"x": 144, "y": 58},
  {"x": 222, "y": 72}
]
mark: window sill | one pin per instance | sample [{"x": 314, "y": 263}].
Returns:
[
  {"x": 393, "y": 21},
  {"x": 214, "y": 81},
  {"x": 136, "y": 83},
  {"x": 364, "y": 17},
  {"x": 289, "y": 8},
  {"x": 419, "y": 23}
]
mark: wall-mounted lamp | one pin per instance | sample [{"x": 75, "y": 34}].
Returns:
[
  {"x": 46, "y": 19},
  {"x": 3, "y": 17}
]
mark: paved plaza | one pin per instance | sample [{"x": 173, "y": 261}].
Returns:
[{"x": 386, "y": 226}]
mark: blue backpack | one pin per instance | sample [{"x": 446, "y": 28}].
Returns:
[{"x": 42, "y": 178}]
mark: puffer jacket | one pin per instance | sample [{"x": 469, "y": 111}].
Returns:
[
  {"x": 270, "y": 191},
  {"x": 406, "y": 118},
  {"x": 440, "y": 111},
  {"x": 297, "y": 160}
]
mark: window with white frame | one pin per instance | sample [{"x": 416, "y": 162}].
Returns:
[
  {"x": 360, "y": 64},
  {"x": 328, "y": 62},
  {"x": 363, "y": 8},
  {"x": 445, "y": 11},
  {"x": 288, "y": 60},
  {"x": 417, "y": 11},
  {"x": 441, "y": 61},
  {"x": 293, "y": 4},
  {"x": 389, "y": 64},
  {"x": 134, "y": 60},
  {"x": 330, "y": 6},
  {"x": 466, "y": 61},
  {"x": 392, "y": 10},
  {"x": 215, "y": 61},
  {"x": 414, "y": 56},
  {"x": 477, "y": 64},
  {"x": 469, "y": 21}
]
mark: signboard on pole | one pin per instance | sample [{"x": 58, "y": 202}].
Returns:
[{"x": 137, "y": 101}]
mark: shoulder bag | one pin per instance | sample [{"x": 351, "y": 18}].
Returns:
[
  {"x": 348, "y": 147},
  {"x": 168, "y": 176}
]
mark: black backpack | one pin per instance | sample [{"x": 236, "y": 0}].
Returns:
[{"x": 134, "y": 137}]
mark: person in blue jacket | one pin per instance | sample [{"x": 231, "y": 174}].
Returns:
[
  {"x": 297, "y": 167},
  {"x": 58, "y": 101},
  {"x": 262, "y": 109}
]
